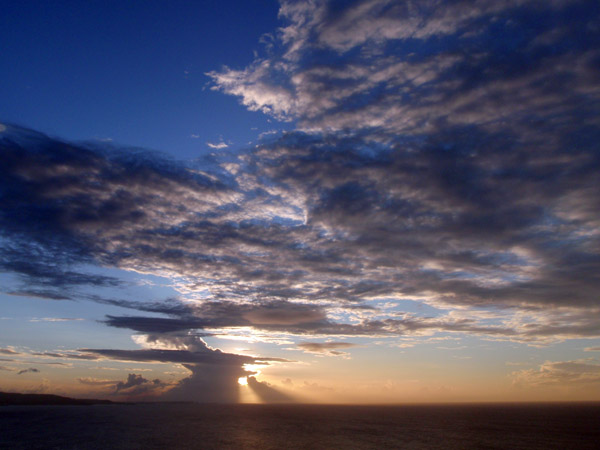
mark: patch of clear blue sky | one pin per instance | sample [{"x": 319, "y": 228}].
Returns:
[
  {"x": 19, "y": 327},
  {"x": 131, "y": 71}
]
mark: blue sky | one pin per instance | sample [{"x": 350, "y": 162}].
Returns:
[
  {"x": 365, "y": 201},
  {"x": 133, "y": 73}
]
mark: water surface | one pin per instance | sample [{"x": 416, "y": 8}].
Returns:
[{"x": 196, "y": 426}]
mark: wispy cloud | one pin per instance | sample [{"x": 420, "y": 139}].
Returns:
[
  {"x": 360, "y": 66},
  {"x": 217, "y": 145},
  {"x": 327, "y": 348}
]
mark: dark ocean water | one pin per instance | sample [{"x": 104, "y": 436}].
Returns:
[{"x": 195, "y": 426}]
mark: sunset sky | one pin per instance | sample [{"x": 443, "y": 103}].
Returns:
[{"x": 366, "y": 201}]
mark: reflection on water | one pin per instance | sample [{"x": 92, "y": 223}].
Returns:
[{"x": 191, "y": 426}]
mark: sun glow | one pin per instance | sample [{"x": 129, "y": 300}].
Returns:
[{"x": 243, "y": 381}]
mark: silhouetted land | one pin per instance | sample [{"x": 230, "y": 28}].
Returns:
[
  {"x": 8, "y": 398},
  {"x": 211, "y": 426}
]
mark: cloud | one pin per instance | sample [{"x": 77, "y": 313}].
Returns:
[
  {"x": 39, "y": 293},
  {"x": 327, "y": 348},
  {"x": 283, "y": 313},
  {"x": 174, "y": 356},
  {"x": 267, "y": 393},
  {"x": 258, "y": 93},
  {"x": 560, "y": 373},
  {"x": 132, "y": 381},
  {"x": 134, "y": 387},
  {"x": 62, "y": 205},
  {"x": 213, "y": 373},
  {"x": 413, "y": 150},
  {"x": 30, "y": 370},
  {"x": 406, "y": 68},
  {"x": 96, "y": 382},
  {"x": 8, "y": 351},
  {"x": 276, "y": 315},
  {"x": 299, "y": 319},
  {"x": 208, "y": 383},
  {"x": 592, "y": 349},
  {"x": 446, "y": 156},
  {"x": 315, "y": 388},
  {"x": 55, "y": 319},
  {"x": 189, "y": 349},
  {"x": 218, "y": 146},
  {"x": 65, "y": 355},
  {"x": 137, "y": 384}
]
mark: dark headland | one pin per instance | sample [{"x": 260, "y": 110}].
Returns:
[{"x": 8, "y": 398}]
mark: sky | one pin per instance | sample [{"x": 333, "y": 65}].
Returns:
[{"x": 364, "y": 201}]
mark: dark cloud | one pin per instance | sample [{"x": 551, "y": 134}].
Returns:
[
  {"x": 408, "y": 324},
  {"x": 190, "y": 349},
  {"x": 278, "y": 315},
  {"x": 132, "y": 380},
  {"x": 30, "y": 370},
  {"x": 59, "y": 200},
  {"x": 69, "y": 355},
  {"x": 175, "y": 356},
  {"x": 39, "y": 293},
  {"x": 137, "y": 384}
]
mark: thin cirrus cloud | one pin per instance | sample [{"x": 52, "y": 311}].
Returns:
[
  {"x": 434, "y": 160},
  {"x": 327, "y": 348}
]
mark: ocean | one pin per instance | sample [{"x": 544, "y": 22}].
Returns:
[{"x": 245, "y": 426}]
